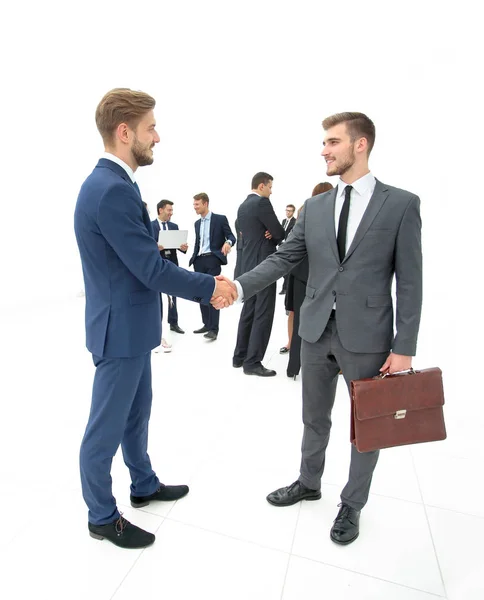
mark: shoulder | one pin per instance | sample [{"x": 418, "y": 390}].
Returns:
[
  {"x": 173, "y": 225},
  {"x": 396, "y": 192}
]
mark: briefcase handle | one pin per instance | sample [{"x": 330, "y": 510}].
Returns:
[{"x": 406, "y": 372}]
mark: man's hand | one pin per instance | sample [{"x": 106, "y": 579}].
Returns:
[
  {"x": 226, "y": 248},
  {"x": 160, "y": 247},
  {"x": 395, "y": 363},
  {"x": 184, "y": 247},
  {"x": 268, "y": 235},
  {"x": 225, "y": 293}
]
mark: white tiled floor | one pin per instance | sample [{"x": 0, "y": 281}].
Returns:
[{"x": 233, "y": 439}]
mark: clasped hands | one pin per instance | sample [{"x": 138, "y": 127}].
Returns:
[{"x": 225, "y": 293}]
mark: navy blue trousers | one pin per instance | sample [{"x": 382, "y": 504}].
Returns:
[
  {"x": 120, "y": 413},
  {"x": 211, "y": 266},
  {"x": 172, "y": 310}
]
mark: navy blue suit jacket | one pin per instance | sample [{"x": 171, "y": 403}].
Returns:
[
  {"x": 220, "y": 232},
  {"x": 156, "y": 230},
  {"x": 123, "y": 270}
]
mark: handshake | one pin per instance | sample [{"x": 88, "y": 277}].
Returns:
[{"x": 224, "y": 294}]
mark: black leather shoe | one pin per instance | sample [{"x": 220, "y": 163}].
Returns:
[
  {"x": 211, "y": 335},
  {"x": 176, "y": 328},
  {"x": 201, "y": 330},
  {"x": 237, "y": 363},
  {"x": 287, "y": 496},
  {"x": 282, "y": 293},
  {"x": 122, "y": 533},
  {"x": 165, "y": 493},
  {"x": 346, "y": 527},
  {"x": 284, "y": 350},
  {"x": 260, "y": 371}
]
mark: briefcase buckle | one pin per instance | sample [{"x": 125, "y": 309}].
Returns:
[{"x": 400, "y": 414}]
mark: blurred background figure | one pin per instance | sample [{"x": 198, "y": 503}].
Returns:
[
  {"x": 296, "y": 291},
  {"x": 163, "y": 222},
  {"x": 288, "y": 223}
]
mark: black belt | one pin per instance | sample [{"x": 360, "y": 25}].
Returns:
[{"x": 206, "y": 254}]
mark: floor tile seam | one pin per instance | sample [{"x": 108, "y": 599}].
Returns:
[
  {"x": 327, "y": 564},
  {"x": 428, "y": 524},
  {"x": 418, "y": 503},
  {"x": 458, "y": 512},
  {"x": 227, "y": 535},
  {"x": 135, "y": 562},
  {"x": 290, "y": 552}
]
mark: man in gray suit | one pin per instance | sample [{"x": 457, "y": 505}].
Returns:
[{"x": 357, "y": 238}]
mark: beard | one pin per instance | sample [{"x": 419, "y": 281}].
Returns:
[
  {"x": 345, "y": 165},
  {"x": 142, "y": 154}
]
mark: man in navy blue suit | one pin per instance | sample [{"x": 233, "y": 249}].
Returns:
[
  {"x": 163, "y": 221},
  {"x": 213, "y": 242},
  {"x": 124, "y": 275}
]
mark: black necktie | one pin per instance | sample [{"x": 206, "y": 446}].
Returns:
[
  {"x": 164, "y": 226},
  {"x": 343, "y": 223}
]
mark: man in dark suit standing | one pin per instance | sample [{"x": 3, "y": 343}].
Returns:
[
  {"x": 165, "y": 212},
  {"x": 261, "y": 233},
  {"x": 124, "y": 275},
  {"x": 288, "y": 223},
  {"x": 213, "y": 242}
]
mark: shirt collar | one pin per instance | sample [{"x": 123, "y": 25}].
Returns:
[
  {"x": 121, "y": 163},
  {"x": 362, "y": 185},
  {"x": 207, "y": 216}
]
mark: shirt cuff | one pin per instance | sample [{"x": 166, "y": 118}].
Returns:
[{"x": 240, "y": 293}]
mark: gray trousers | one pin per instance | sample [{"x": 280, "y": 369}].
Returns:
[{"x": 321, "y": 363}]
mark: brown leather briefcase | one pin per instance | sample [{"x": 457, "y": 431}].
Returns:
[{"x": 394, "y": 410}]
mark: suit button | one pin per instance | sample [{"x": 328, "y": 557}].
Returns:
[
  {"x": 333, "y": 292},
  {"x": 341, "y": 269}
]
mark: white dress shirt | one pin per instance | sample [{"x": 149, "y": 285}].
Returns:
[
  {"x": 360, "y": 198},
  {"x": 121, "y": 163},
  {"x": 361, "y": 194}
]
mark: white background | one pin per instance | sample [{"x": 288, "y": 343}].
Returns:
[{"x": 240, "y": 87}]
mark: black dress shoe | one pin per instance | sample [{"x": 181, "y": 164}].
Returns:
[
  {"x": 293, "y": 375},
  {"x": 165, "y": 493},
  {"x": 237, "y": 363},
  {"x": 282, "y": 292},
  {"x": 122, "y": 533},
  {"x": 211, "y": 335},
  {"x": 287, "y": 496},
  {"x": 260, "y": 371},
  {"x": 176, "y": 328},
  {"x": 201, "y": 330},
  {"x": 346, "y": 527},
  {"x": 284, "y": 350}
]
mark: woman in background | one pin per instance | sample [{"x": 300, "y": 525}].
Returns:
[{"x": 296, "y": 292}]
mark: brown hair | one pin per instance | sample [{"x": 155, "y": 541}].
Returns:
[
  {"x": 357, "y": 124},
  {"x": 203, "y": 197},
  {"x": 259, "y": 178},
  {"x": 321, "y": 188},
  {"x": 121, "y": 105}
]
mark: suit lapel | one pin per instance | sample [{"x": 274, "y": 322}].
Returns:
[
  {"x": 212, "y": 227},
  {"x": 328, "y": 220},
  {"x": 377, "y": 200}
]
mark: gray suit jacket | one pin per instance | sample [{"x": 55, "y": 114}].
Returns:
[{"x": 387, "y": 243}]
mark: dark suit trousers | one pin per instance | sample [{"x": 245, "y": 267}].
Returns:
[
  {"x": 211, "y": 266},
  {"x": 120, "y": 413},
  {"x": 255, "y": 326},
  {"x": 321, "y": 363},
  {"x": 299, "y": 293},
  {"x": 172, "y": 310}
]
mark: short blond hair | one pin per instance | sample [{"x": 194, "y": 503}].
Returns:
[
  {"x": 121, "y": 105},
  {"x": 357, "y": 124}
]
